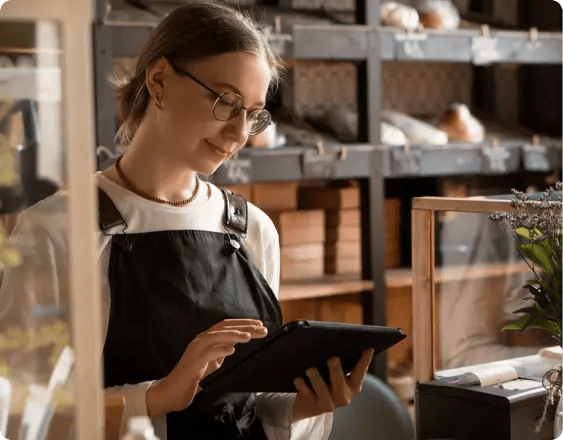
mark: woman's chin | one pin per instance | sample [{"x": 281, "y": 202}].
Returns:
[{"x": 209, "y": 168}]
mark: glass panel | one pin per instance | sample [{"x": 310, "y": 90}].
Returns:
[
  {"x": 480, "y": 279},
  {"x": 34, "y": 278}
]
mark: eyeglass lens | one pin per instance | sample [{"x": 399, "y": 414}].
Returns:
[{"x": 229, "y": 105}]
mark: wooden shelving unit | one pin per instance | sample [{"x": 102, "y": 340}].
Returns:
[{"x": 323, "y": 287}]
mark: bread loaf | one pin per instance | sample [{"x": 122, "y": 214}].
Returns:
[
  {"x": 461, "y": 125},
  {"x": 438, "y": 14},
  {"x": 399, "y": 15}
]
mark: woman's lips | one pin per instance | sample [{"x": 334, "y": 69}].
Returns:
[{"x": 217, "y": 150}]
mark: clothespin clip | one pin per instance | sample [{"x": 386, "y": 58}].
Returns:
[
  {"x": 320, "y": 146},
  {"x": 407, "y": 147},
  {"x": 536, "y": 140},
  {"x": 533, "y": 33},
  {"x": 485, "y": 30},
  {"x": 277, "y": 24},
  {"x": 343, "y": 153},
  {"x": 234, "y": 156},
  {"x": 495, "y": 143}
]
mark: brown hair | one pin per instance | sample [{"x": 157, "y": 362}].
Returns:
[{"x": 191, "y": 32}]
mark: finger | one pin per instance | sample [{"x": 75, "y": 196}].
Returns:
[
  {"x": 360, "y": 370},
  {"x": 302, "y": 388},
  {"x": 238, "y": 322},
  {"x": 337, "y": 379},
  {"x": 255, "y": 330},
  {"x": 222, "y": 337},
  {"x": 320, "y": 388},
  {"x": 212, "y": 354},
  {"x": 213, "y": 365}
]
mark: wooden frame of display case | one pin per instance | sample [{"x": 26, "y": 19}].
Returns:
[
  {"x": 424, "y": 271},
  {"x": 75, "y": 18}
]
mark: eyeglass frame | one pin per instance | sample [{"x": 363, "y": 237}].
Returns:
[{"x": 219, "y": 96}]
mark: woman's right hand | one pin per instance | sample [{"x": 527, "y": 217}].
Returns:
[{"x": 203, "y": 355}]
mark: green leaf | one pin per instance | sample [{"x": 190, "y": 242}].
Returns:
[
  {"x": 525, "y": 310},
  {"x": 526, "y": 233},
  {"x": 519, "y": 324},
  {"x": 533, "y": 321},
  {"x": 539, "y": 255}
]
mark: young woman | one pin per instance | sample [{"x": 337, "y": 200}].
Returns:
[{"x": 190, "y": 271}]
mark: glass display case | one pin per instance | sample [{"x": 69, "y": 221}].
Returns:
[
  {"x": 468, "y": 280},
  {"x": 50, "y": 311},
  {"x": 468, "y": 283}
]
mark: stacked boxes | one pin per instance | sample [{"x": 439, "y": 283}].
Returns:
[
  {"x": 320, "y": 227},
  {"x": 302, "y": 232},
  {"x": 301, "y": 243},
  {"x": 343, "y": 244}
]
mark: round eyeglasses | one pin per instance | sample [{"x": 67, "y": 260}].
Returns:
[{"x": 228, "y": 106}]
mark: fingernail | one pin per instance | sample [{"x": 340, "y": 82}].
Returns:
[
  {"x": 311, "y": 372},
  {"x": 334, "y": 362}
]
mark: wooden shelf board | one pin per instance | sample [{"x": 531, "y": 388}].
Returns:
[
  {"x": 322, "y": 287},
  {"x": 397, "y": 278},
  {"x": 331, "y": 285}
]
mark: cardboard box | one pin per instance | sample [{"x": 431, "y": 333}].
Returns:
[
  {"x": 275, "y": 196},
  {"x": 343, "y": 265},
  {"x": 298, "y": 219},
  {"x": 243, "y": 190},
  {"x": 302, "y": 261},
  {"x": 329, "y": 198},
  {"x": 299, "y": 227},
  {"x": 343, "y": 217},
  {"x": 335, "y": 234},
  {"x": 346, "y": 249}
]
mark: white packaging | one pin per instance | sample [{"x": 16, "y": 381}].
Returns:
[{"x": 416, "y": 131}]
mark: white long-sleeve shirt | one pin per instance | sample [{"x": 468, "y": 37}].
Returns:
[{"x": 41, "y": 235}]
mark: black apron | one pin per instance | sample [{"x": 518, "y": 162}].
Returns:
[{"x": 166, "y": 288}]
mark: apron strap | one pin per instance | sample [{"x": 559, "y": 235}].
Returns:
[
  {"x": 236, "y": 213},
  {"x": 109, "y": 217}
]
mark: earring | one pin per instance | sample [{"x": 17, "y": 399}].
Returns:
[{"x": 158, "y": 101}]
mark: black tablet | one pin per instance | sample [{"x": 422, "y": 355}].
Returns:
[{"x": 271, "y": 364}]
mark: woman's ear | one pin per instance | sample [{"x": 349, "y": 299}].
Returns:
[{"x": 155, "y": 76}]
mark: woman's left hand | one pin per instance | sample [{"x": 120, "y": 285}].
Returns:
[{"x": 322, "y": 397}]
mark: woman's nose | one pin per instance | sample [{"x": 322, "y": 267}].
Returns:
[{"x": 237, "y": 129}]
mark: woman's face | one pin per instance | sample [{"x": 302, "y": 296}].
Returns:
[{"x": 185, "y": 123}]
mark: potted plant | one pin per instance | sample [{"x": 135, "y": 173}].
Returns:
[{"x": 536, "y": 226}]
